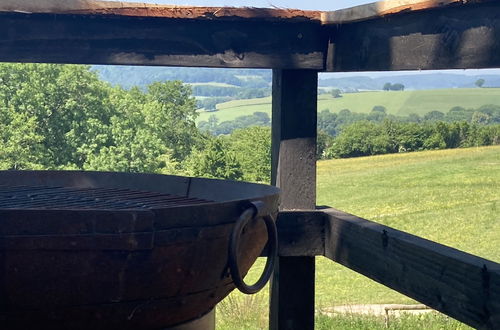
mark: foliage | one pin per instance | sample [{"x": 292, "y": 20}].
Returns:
[
  {"x": 216, "y": 91},
  {"x": 480, "y": 82},
  {"x": 66, "y": 110},
  {"x": 327, "y": 122},
  {"x": 213, "y": 126},
  {"x": 323, "y": 142},
  {"x": 367, "y": 138},
  {"x": 434, "y": 116},
  {"x": 210, "y": 104},
  {"x": 64, "y": 117},
  {"x": 336, "y": 93},
  {"x": 360, "y": 139},
  {"x": 214, "y": 160},
  {"x": 252, "y": 149},
  {"x": 397, "y": 87},
  {"x": 402, "y": 103},
  {"x": 393, "y": 87},
  {"x": 130, "y": 76}
]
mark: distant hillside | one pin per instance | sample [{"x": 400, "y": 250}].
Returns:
[
  {"x": 396, "y": 103},
  {"x": 128, "y": 76},
  {"x": 415, "y": 82}
]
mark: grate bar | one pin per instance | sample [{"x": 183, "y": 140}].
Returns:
[{"x": 44, "y": 197}]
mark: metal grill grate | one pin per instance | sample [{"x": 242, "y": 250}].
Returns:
[{"x": 44, "y": 197}]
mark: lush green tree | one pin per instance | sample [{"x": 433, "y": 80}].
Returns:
[
  {"x": 171, "y": 112},
  {"x": 360, "y": 139},
  {"x": 379, "y": 108},
  {"x": 327, "y": 122},
  {"x": 397, "y": 87},
  {"x": 134, "y": 146},
  {"x": 69, "y": 106},
  {"x": 336, "y": 93},
  {"x": 214, "y": 160},
  {"x": 378, "y": 113},
  {"x": 413, "y": 118},
  {"x": 459, "y": 114},
  {"x": 252, "y": 149},
  {"x": 387, "y": 86},
  {"x": 479, "y": 117},
  {"x": 214, "y": 91},
  {"x": 227, "y": 127},
  {"x": 493, "y": 112},
  {"x": 323, "y": 142},
  {"x": 480, "y": 82},
  {"x": 434, "y": 116},
  {"x": 20, "y": 146}
]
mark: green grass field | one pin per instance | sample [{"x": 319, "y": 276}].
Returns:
[
  {"x": 449, "y": 196},
  {"x": 397, "y": 103}
]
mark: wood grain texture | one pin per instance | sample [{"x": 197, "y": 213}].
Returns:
[
  {"x": 449, "y": 38},
  {"x": 453, "y": 282},
  {"x": 139, "y": 9},
  {"x": 294, "y": 137},
  {"x": 301, "y": 233},
  {"x": 294, "y": 171},
  {"x": 384, "y": 8},
  {"x": 86, "y": 39}
]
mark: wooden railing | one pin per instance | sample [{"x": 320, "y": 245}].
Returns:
[{"x": 458, "y": 284}]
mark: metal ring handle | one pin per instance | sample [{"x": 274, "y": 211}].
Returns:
[{"x": 272, "y": 243}]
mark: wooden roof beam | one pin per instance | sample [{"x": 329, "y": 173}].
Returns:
[
  {"x": 451, "y": 37},
  {"x": 385, "y": 36}
]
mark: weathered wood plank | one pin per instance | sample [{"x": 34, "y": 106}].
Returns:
[
  {"x": 458, "y": 284},
  {"x": 294, "y": 171},
  {"x": 101, "y": 39},
  {"x": 384, "y": 8},
  {"x": 454, "y": 37},
  {"x": 301, "y": 233},
  {"x": 140, "y": 9}
]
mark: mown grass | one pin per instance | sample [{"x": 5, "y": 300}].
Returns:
[
  {"x": 449, "y": 196},
  {"x": 397, "y": 103}
]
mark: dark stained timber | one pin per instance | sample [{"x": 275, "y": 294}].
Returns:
[
  {"x": 294, "y": 171},
  {"x": 301, "y": 233},
  {"x": 94, "y": 39},
  {"x": 456, "y": 37},
  {"x": 463, "y": 286},
  {"x": 453, "y": 282}
]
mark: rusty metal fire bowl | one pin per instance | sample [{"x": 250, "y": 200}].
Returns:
[{"x": 95, "y": 250}]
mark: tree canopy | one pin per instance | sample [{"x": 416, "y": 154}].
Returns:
[{"x": 64, "y": 117}]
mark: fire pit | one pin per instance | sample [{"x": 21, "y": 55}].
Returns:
[{"x": 91, "y": 250}]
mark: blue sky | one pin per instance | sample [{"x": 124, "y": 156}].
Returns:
[{"x": 301, "y": 4}]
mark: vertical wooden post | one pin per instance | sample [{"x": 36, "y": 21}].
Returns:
[{"x": 294, "y": 171}]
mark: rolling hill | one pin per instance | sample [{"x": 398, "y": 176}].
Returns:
[{"x": 397, "y": 103}]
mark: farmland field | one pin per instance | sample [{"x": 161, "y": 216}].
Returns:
[
  {"x": 397, "y": 103},
  {"x": 450, "y": 196}
]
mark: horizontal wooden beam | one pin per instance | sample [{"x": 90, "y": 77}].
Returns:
[
  {"x": 432, "y": 37},
  {"x": 453, "y": 37},
  {"x": 301, "y": 233},
  {"x": 385, "y": 8},
  {"x": 115, "y": 39},
  {"x": 458, "y": 284},
  {"x": 140, "y": 9},
  {"x": 461, "y": 285}
]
